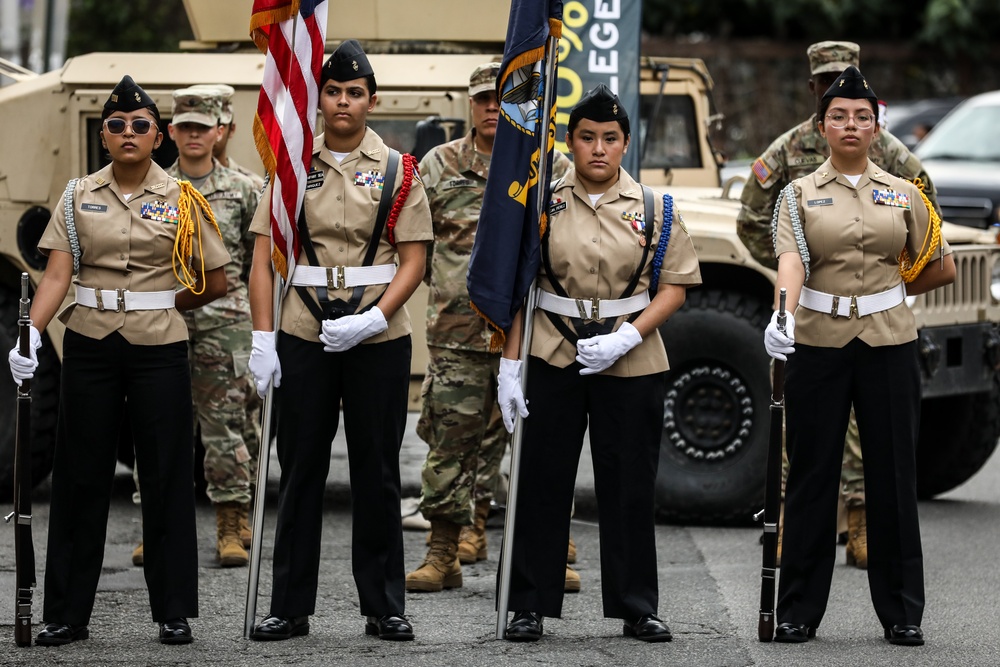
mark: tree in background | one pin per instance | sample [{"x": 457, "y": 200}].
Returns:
[{"x": 136, "y": 25}]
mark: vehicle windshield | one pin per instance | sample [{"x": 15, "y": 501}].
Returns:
[
  {"x": 672, "y": 142},
  {"x": 970, "y": 133}
]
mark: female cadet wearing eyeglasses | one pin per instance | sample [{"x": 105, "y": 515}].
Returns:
[
  {"x": 852, "y": 241},
  {"x": 125, "y": 338},
  {"x": 608, "y": 243}
]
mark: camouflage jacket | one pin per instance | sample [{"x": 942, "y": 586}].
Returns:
[
  {"x": 797, "y": 153},
  {"x": 255, "y": 178},
  {"x": 454, "y": 176},
  {"x": 233, "y": 199}
]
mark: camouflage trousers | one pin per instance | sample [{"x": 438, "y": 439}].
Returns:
[
  {"x": 462, "y": 424},
  {"x": 852, "y": 472},
  {"x": 226, "y": 408}
]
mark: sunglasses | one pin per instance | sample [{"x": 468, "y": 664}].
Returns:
[{"x": 138, "y": 125}]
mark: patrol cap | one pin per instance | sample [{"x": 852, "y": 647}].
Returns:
[
  {"x": 192, "y": 105},
  {"x": 128, "y": 96},
  {"x": 600, "y": 105},
  {"x": 484, "y": 78},
  {"x": 225, "y": 94},
  {"x": 851, "y": 85},
  {"x": 832, "y": 56},
  {"x": 348, "y": 62}
]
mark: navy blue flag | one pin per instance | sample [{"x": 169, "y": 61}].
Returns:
[{"x": 506, "y": 253}]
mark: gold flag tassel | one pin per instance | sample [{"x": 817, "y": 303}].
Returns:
[
  {"x": 189, "y": 222},
  {"x": 931, "y": 242}
]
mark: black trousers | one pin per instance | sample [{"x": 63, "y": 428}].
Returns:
[
  {"x": 97, "y": 377},
  {"x": 372, "y": 381},
  {"x": 626, "y": 421},
  {"x": 883, "y": 384}
]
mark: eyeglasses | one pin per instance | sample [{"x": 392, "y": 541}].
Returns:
[
  {"x": 862, "y": 121},
  {"x": 138, "y": 125}
]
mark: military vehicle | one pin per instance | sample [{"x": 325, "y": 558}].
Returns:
[{"x": 715, "y": 416}]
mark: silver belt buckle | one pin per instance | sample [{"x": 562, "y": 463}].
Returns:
[
  {"x": 854, "y": 308},
  {"x": 100, "y": 298},
  {"x": 835, "y": 308}
]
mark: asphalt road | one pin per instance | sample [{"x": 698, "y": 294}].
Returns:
[{"x": 709, "y": 589}]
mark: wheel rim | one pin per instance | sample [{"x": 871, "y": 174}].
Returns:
[{"x": 708, "y": 413}]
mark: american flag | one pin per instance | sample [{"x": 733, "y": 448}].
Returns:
[{"x": 292, "y": 33}]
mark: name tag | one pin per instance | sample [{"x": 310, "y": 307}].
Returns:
[
  {"x": 556, "y": 206},
  {"x": 224, "y": 195},
  {"x": 96, "y": 208},
  {"x": 820, "y": 202},
  {"x": 458, "y": 183},
  {"x": 314, "y": 180},
  {"x": 807, "y": 160}
]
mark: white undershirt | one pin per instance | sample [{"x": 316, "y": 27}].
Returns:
[
  {"x": 594, "y": 198},
  {"x": 853, "y": 178},
  {"x": 339, "y": 156},
  {"x": 126, "y": 196}
]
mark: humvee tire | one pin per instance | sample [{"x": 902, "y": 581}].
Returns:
[
  {"x": 958, "y": 434},
  {"x": 44, "y": 402},
  {"x": 715, "y": 422}
]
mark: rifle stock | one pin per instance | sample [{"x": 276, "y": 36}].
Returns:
[{"x": 772, "y": 493}]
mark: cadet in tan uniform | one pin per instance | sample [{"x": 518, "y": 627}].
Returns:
[
  {"x": 852, "y": 241},
  {"x": 350, "y": 343},
  {"x": 794, "y": 154},
  {"x": 603, "y": 251},
  {"x": 125, "y": 339}
]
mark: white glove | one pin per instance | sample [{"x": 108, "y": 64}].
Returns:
[
  {"x": 23, "y": 368},
  {"x": 778, "y": 344},
  {"x": 343, "y": 334},
  {"x": 600, "y": 352},
  {"x": 509, "y": 393},
  {"x": 264, "y": 365}
]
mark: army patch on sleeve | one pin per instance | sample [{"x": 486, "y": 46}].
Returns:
[{"x": 761, "y": 171}]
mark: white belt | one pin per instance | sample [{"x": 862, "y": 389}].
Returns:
[
  {"x": 122, "y": 299},
  {"x": 341, "y": 277},
  {"x": 851, "y": 306},
  {"x": 589, "y": 310}
]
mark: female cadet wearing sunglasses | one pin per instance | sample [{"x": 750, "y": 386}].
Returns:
[{"x": 117, "y": 230}]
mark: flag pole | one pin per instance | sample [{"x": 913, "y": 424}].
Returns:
[
  {"x": 263, "y": 463},
  {"x": 531, "y": 301}
]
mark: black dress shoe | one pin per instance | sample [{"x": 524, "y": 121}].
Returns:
[
  {"x": 648, "y": 628},
  {"x": 905, "y": 635},
  {"x": 175, "y": 631},
  {"x": 391, "y": 626},
  {"x": 526, "y": 626},
  {"x": 793, "y": 633},
  {"x": 274, "y": 628},
  {"x": 57, "y": 634}
]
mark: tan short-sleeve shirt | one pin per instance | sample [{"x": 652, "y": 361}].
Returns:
[
  {"x": 341, "y": 203},
  {"x": 594, "y": 251},
  {"x": 124, "y": 246},
  {"x": 854, "y": 244}
]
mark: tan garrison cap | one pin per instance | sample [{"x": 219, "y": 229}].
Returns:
[
  {"x": 193, "y": 105},
  {"x": 225, "y": 94},
  {"x": 484, "y": 78},
  {"x": 832, "y": 56}
]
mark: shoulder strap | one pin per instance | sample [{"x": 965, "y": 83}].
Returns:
[{"x": 70, "y": 215}]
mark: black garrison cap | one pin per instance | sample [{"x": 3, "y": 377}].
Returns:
[
  {"x": 128, "y": 96},
  {"x": 850, "y": 85},
  {"x": 346, "y": 63},
  {"x": 600, "y": 105}
]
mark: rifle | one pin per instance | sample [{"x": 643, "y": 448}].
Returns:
[
  {"x": 24, "y": 552},
  {"x": 772, "y": 492}
]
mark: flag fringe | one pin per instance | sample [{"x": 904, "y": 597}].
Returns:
[
  {"x": 263, "y": 145},
  {"x": 499, "y": 337}
]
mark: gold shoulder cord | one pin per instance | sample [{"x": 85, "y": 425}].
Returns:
[
  {"x": 932, "y": 241},
  {"x": 189, "y": 221}
]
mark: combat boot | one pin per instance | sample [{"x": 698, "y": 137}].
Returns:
[
  {"x": 572, "y": 584},
  {"x": 571, "y": 551},
  {"x": 137, "y": 555},
  {"x": 857, "y": 537},
  {"x": 472, "y": 539},
  {"x": 441, "y": 568},
  {"x": 246, "y": 535},
  {"x": 229, "y": 548}
]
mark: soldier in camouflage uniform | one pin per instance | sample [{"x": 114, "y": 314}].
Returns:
[
  {"x": 797, "y": 153},
  {"x": 220, "y": 332},
  {"x": 460, "y": 420}
]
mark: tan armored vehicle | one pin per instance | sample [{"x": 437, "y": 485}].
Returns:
[{"x": 715, "y": 418}]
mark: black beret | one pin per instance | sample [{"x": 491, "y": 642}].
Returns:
[
  {"x": 850, "y": 85},
  {"x": 128, "y": 96},
  {"x": 600, "y": 105},
  {"x": 348, "y": 62}
]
